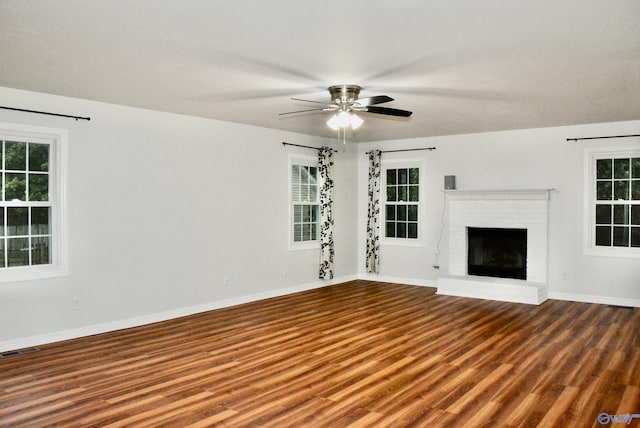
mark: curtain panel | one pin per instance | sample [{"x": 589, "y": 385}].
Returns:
[
  {"x": 373, "y": 213},
  {"x": 325, "y": 185}
]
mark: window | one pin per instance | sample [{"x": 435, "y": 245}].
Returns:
[
  {"x": 30, "y": 202},
  {"x": 402, "y": 203},
  {"x": 305, "y": 203},
  {"x": 614, "y": 202}
]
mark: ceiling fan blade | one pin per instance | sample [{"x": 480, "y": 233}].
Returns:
[
  {"x": 378, "y": 99},
  {"x": 309, "y": 101},
  {"x": 301, "y": 111},
  {"x": 388, "y": 111}
]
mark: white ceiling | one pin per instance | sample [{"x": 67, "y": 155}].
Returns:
[{"x": 460, "y": 65}]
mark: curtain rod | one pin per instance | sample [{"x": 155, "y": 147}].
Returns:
[
  {"x": 599, "y": 138},
  {"x": 45, "y": 112},
  {"x": 405, "y": 150},
  {"x": 306, "y": 147}
]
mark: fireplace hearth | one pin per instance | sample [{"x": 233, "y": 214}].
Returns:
[{"x": 497, "y": 252}]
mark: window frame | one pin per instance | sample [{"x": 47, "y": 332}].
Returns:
[
  {"x": 591, "y": 156},
  {"x": 58, "y": 140},
  {"x": 402, "y": 164},
  {"x": 309, "y": 161}
]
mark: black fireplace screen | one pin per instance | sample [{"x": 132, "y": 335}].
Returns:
[{"x": 500, "y": 253}]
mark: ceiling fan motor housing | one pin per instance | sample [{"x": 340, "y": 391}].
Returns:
[{"x": 344, "y": 95}]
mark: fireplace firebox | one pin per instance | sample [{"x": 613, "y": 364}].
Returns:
[{"x": 497, "y": 252}]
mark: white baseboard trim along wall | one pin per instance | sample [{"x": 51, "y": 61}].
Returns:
[
  {"x": 90, "y": 330},
  {"x": 58, "y": 336}
]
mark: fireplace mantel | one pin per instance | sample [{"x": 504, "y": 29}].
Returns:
[
  {"x": 486, "y": 195},
  {"x": 518, "y": 208}
]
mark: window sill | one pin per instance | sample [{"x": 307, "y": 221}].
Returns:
[
  {"x": 623, "y": 252},
  {"x": 401, "y": 242},
  {"x": 302, "y": 246},
  {"x": 31, "y": 273}
]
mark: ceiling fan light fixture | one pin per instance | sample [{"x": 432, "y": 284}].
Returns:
[{"x": 343, "y": 120}]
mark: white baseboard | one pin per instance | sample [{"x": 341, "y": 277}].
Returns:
[
  {"x": 602, "y": 300},
  {"x": 90, "y": 330}
]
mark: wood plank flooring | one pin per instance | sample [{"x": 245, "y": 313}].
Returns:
[{"x": 359, "y": 354}]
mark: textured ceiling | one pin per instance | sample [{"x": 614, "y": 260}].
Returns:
[{"x": 460, "y": 66}]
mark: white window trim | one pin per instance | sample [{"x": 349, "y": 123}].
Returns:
[
  {"x": 58, "y": 153},
  {"x": 590, "y": 157},
  {"x": 295, "y": 159},
  {"x": 394, "y": 164}
]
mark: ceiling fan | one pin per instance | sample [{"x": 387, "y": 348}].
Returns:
[{"x": 345, "y": 102}]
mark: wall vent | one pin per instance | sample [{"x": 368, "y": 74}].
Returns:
[{"x": 18, "y": 352}]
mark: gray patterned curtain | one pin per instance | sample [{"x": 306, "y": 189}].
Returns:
[
  {"x": 325, "y": 184},
  {"x": 373, "y": 213}
]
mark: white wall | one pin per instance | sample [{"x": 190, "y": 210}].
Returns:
[
  {"x": 161, "y": 207},
  {"x": 523, "y": 159}
]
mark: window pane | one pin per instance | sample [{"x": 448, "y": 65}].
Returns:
[
  {"x": 392, "y": 176},
  {"x": 603, "y": 236},
  {"x": 390, "y": 212},
  {"x": 604, "y": 190},
  {"x": 40, "y": 251},
  {"x": 306, "y": 232},
  {"x": 2, "y": 261},
  {"x": 414, "y": 193},
  {"x": 313, "y": 175},
  {"x": 412, "y": 231},
  {"x": 403, "y": 176},
  {"x": 401, "y": 230},
  {"x": 295, "y": 174},
  {"x": 412, "y": 213},
  {"x": 304, "y": 175},
  {"x": 304, "y": 193},
  {"x": 621, "y": 190},
  {"x": 402, "y": 212},
  {"x": 621, "y": 214},
  {"x": 390, "y": 229},
  {"x": 391, "y": 193},
  {"x": 635, "y": 190},
  {"x": 635, "y": 236},
  {"x": 603, "y": 214},
  {"x": 306, "y": 214},
  {"x": 38, "y": 157},
  {"x": 40, "y": 221},
  {"x": 17, "y": 221},
  {"x": 621, "y": 168},
  {"x": 635, "y": 214},
  {"x": 414, "y": 175},
  {"x": 402, "y": 193},
  {"x": 297, "y": 213},
  {"x": 18, "y": 251},
  {"x": 315, "y": 213},
  {"x": 604, "y": 168},
  {"x": 15, "y": 156},
  {"x": 635, "y": 167},
  {"x": 15, "y": 187},
  {"x": 620, "y": 236},
  {"x": 297, "y": 232},
  {"x": 38, "y": 187},
  {"x": 314, "y": 232},
  {"x": 313, "y": 193},
  {"x": 295, "y": 192},
  {"x": 2, "y": 229}
]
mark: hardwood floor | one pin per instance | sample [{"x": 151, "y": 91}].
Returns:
[{"x": 358, "y": 354}]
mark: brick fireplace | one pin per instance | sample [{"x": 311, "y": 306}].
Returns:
[{"x": 497, "y": 209}]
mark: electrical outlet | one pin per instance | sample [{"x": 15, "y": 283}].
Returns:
[
  {"x": 76, "y": 304},
  {"x": 226, "y": 280}
]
